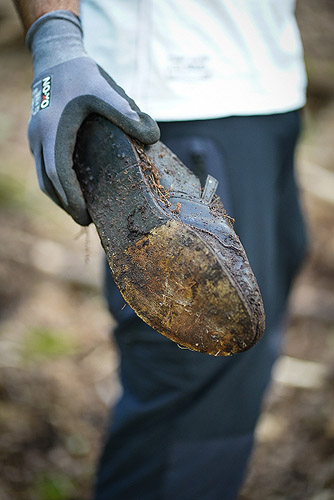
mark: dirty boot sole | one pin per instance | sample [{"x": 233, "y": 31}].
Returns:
[{"x": 170, "y": 245}]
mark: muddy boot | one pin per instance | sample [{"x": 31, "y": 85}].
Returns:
[{"x": 170, "y": 244}]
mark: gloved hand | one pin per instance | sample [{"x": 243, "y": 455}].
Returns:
[{"x": 68, "y": 86}]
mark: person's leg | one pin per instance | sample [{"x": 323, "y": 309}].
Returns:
[{"x": 184, "y": 425}]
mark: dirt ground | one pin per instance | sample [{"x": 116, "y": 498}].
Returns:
[{"x": 58, "y": 368}]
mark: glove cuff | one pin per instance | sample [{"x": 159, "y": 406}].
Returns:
[
  {"x": 56, "y": 14},
  {"x": 55, "y": 38}
]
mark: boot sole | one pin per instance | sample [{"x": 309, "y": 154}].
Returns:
[{"x": 169, "y": 272}]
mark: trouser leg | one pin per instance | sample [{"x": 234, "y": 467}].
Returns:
[{"x": 184, "y": 425}]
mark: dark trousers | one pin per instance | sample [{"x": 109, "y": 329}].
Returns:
[{"x": 183, "y": 427}]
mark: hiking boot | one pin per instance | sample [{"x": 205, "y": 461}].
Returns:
[{"x": 170, "y": 245}]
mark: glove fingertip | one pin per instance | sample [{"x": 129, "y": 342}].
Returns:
[
  {"x": 148, "y": 132},
  {"x": 81, "y": 217}
]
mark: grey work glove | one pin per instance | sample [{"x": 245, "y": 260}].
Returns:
[{"x": 68, "y": 86}]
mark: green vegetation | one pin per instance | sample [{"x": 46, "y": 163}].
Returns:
[
  {"x": 54, "y": 487},
  {"x": 45, "y": 343},
  {"x": 12, "y": 192}
]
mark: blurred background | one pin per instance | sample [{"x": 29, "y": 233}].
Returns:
[{"x": 58, "y": 369}]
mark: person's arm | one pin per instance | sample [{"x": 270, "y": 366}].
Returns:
[
  {"x": 68, "y": 86},
  {"x": 30, "y": 10}
]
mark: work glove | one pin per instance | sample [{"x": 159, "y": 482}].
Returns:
[{"x": 68, "y": 86}]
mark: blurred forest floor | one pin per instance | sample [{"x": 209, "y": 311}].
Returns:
[{"x": 58, "y": 369}]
